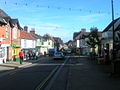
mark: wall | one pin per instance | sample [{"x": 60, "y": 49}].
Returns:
[{"x": 25, "y": 43}]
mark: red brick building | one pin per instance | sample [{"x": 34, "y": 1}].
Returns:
[{"x": 9, "y": 37}]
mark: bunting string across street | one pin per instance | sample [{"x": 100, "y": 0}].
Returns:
[{"x": 27, "y": 4}]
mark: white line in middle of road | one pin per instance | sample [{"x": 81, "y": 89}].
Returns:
[
  {"x": 50, "y": 75},
  {"x": 55, "y": 76}
]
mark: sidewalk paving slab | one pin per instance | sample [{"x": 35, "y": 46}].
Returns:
[{"x": 11, "y": 66}]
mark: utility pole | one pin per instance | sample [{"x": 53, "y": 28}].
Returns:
[
  {"x": 113, "y": 53},
  {"x": 112, "y": 9},
  {"x": 113, "y": 29},
  {"x": 113, "y": 26}
]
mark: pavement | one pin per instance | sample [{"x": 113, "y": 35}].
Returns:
[
  {"x": 11, "y": 66},
  {"x": 87, "y": 74}
]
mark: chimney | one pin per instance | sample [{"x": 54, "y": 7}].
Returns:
[
  {"x": 83, "y": 30},
  {"x": 26, "y": 28},
  {"x": 32, "y": 31}
]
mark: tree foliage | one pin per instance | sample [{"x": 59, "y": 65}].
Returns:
[{"x": 93, "y": 38}]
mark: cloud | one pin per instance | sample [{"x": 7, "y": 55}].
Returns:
[{"x": 90, "y": 18}]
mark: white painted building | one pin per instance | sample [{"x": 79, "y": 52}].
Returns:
[
  {"x": 27, "y": 39},
  {"x": 81, "y": 43},
  {"x": 27, "y": 43},
  {"x": 47, "y": 44}
]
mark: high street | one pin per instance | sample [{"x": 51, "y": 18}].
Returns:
[{"x": 73, "y": 73}]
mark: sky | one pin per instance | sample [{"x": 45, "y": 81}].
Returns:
[{"x": 61, "y": 18}]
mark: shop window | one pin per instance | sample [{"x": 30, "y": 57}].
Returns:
[
  {"x": 25, "y": 44},
  {"x": 33, "y": 43},
  {"x": 15, "y": 51},
  {"x": 2, "y": 52},
  {"x": 48, "y": 43},
  {"x": 42, "y": 43}
]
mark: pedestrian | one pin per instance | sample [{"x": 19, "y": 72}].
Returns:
[
  {"x": 29, "y": 53},
  {"x": 106, "y": 56},
  {"x": 37, "y": 55},
  {"x": 33, "y": 55},
  {"x": 21, "y": 55},
  {"x": 45, "y": 53}
]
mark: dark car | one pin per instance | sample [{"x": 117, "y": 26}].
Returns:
[{"x": 58, "y": 55}]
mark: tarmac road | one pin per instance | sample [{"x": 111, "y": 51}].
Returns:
[
  {"x": 79, "y": 73},
  {"x": 30, "y": 77}
]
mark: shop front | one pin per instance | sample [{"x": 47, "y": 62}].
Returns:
[
  {"x": 29, "y": 52},
  {"x": 15, "y": 52},
  {"x": 106, "y": 50},
  {"x": 44, "y": 49},
  {"x": 117, "y": 50},
  {"x": 3, "y": 53}
]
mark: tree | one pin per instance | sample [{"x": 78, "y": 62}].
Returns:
[{"x": 93, "y": 39}]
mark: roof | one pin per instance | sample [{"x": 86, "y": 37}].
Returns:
[
  {"x": 3, "y": 14},
  {"x": 47, "y": 36},
  {"x": 113, "y": 22},
  {"x": 58, "y": 40},
  {"x": 26, "y": 35},
  {"x": 37, "y": 36},
  {"x": 82, "y": 34},
  {"x": 4, "y": 18},
  {"x": 15, "y": 21},
  {"x": 76, "y": 34},
  {"x": 2, "y": 21}
]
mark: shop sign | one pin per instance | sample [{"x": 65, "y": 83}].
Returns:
[{"x": 16, "y": 45}]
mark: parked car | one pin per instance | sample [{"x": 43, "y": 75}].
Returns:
[
  {"x": 58, "y": 55},
  {"x": 52, "y": 51}
]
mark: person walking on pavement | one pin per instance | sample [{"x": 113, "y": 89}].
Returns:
[
  {"x": 37, "y": 55},
  {"x": 21, "y": 55},
  {"x": 45, "y": 53}
]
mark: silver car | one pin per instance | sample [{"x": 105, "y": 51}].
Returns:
[{"x": 58, "y": 55}]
